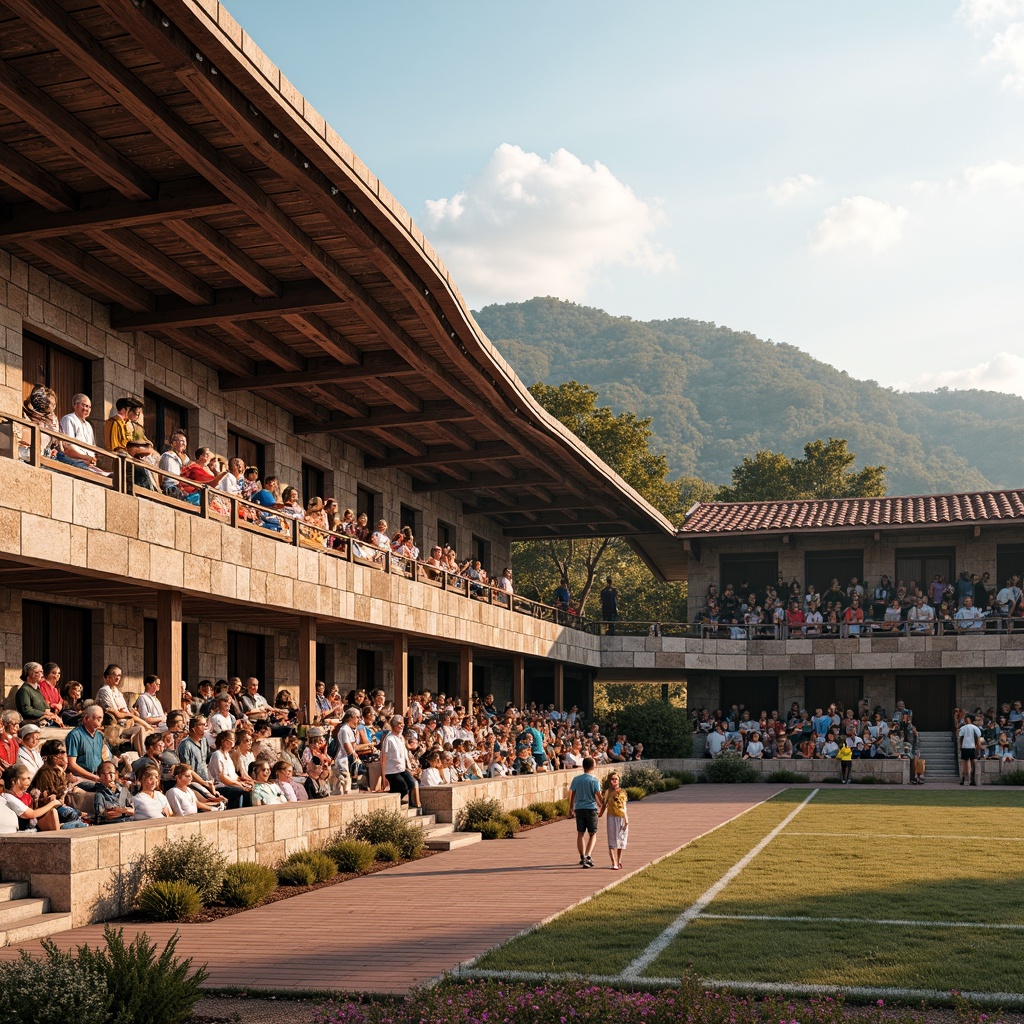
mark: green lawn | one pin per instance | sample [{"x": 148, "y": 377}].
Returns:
[{"x": 850, "y": 861}]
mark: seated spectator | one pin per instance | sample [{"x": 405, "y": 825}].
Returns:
[
  {"x": 199, "y": 471},
  {"x": 51, "y": 781},
  {"x": 49, "y": 687},
  {"x": 75, "y": 424},
  {"x": 795, "y": 619},
  {"x": 853, "y": 616},
  {"x": 147, "y": 705},
  {"x": 10, "y": 724},
  {"x": 112, "y": 802},
  {"x": 755, "y": 748},
  {"x": 40, "y": 409},
  {"x": 291, "y": 506},
  {"x": 30, "y": 701},
  {"x": 969, "y": 617},
  {"x": 149, "y": 801},
  {"x": 183, "y": 799},
  {"x": 127, "y": 725},
  {"x": 224, "y": 775},
  {"x": 32, "y": 816},
  {"x": 73, "y": 704},
  {"x": 264, "y": 791},
  {"x": 256, "y": 708},
  {"x": 268, "y": 498},
  {"x": 85, "y": 747},
  {"x": 174, "y": 460},
  {"x": 222, "y": 720},
  {"x": 283, "y": 773},
  {"x": 317, "y": 785},
  {"x": 28, "y": 750}
]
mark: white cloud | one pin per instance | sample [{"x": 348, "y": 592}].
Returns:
[
  {"x": 526, "y": 226},
  {"x": 997, "y": 174},
  {"x": 985, "y": 12},
  {"x": 789, "y": 188},
  {"x": 1008, "y": 48},
  {"x": 859, "y": 221},
  {"x": 1003, "y": 372}
]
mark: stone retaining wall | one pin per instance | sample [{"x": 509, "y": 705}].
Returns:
[{"x": 890, "y": 770}]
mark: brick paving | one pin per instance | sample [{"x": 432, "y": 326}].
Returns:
[{"x": 392, "y": 931}]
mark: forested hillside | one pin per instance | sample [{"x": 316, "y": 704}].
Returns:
[{"x": 717, "y": 395}]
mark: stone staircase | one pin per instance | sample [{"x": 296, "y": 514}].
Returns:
[
  {"x": 23, "y": 918},
  {"x": 938, "y": 750},
  {"x": 441, "y": 836}
]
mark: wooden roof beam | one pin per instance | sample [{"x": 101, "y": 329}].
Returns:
[
  {"x": 156, "y": 264},
  {"x": 481, "y": 481},
  {"x": 91, "y": 272},
  {"x": 209, "y": 349},
  {"x": 397, "y": 438},
  {"x": 100, "y": 211},
  {"x": 442, "y": 455},
  {"x": 64, "y": 130},
  {"x": 396, "y": 393},
  {"x": 222, "y": 251},
  {"x": 318, "y": 371},
  {"x": 539, "y": 532},
  {"x": 487, "y": 508},
  {"x": 339, "y": 398},
  {"x": 454, "y": 435},
  {"x": 375, "y": 419},
  {"x": 260, "y": 341},
  {"x": 325, "y": 336},
  {"x": 32, "y": 181}
]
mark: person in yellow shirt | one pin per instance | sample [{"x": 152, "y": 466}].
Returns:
[
  {"x": 118, "y": 430},
  {"x": 845, "y": 758},
  {"x": 615, "y": 802}
]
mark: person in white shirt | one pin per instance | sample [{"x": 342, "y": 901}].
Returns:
[
  {"x": 148, "y": 706},
  {"x": 111, "y": 699},
  {"x": 149, "y": 802},
  {"x": 921, "y": 616},
  {"x": 432, "y": 773},
  {"x": 394, "y": 763},
  {"x": 174, "y": 460},
  {"x": 970, "y": 739},
  {"x": 814, "y": 621},
  {"x": 968, "y": 617},
  {"x": 28, "y": 749},
  {"x": 76, "y": 424},
  {"x": 1008, "y": 597},
  {"x": 221, "y": 720}
]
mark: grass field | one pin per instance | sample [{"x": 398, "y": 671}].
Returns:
[{"x": 865, "y": 891}]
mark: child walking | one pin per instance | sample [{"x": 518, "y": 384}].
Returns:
[{"x": 615, "y": 802}]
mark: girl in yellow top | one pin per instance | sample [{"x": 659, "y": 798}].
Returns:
[
  {"x": 618, "y": 818},
  {"x": 845, "y": 759}
]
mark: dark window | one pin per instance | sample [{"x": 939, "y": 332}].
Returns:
[
  {"x": 366, "y": 501},
  {"x": 922, "y": 564},
  {"x": 366, "y": 670},
  {"x": 931, "y": 698},
  {"x": 247, "y": 656},
  {"x": 1009, "y": 687},
  {"x": 445, "y": 533},
  {"x": 251, "y": 452},
  {"x": 410, "y": 517},
  {"x": 822, "y": 567},
  {"x": 447, "y": 678},
  {"x": 755, "y": 693},
  {"x": 312, "y": 483},
  {"x": 163, "y": 418},
  {"x": 1009, "y": 562},
  {"x": 843, "y": 691},
  {"x": 482, "y": 552},
  {"x": 757, "y": 571},
  {"x": 49, "y": 364},
  {"x": 56, "y": 632}
]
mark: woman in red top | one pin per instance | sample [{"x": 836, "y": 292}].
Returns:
[
  {"x": 853, "y": 617},
  {"x": 199, "y": 470},
  {"x": 10, "y": 723},
  {"x": 49, "y": 686}
]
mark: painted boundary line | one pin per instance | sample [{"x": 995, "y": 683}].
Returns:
[
  {"x": 1001, "y": 999},
  {"x": 862, "y": 920},
  {"x": 466, "y": 969},
  {"x": 661, "y": 943}
]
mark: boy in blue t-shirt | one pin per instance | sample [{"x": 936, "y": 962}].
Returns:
[{"x": 585, "y": 800}]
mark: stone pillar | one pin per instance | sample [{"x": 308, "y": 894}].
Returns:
[
  {"x": 307, "y": 665},
  {"x": 401, "y": 673},
  {"x": 518, "y": 681},
  {"x": 466, "y": 677},
  {"x": 168, "y": 648},
  {"x": 559, "y": 686}
]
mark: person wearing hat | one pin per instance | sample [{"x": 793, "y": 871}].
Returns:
[
  {"x": 317, "y": 772},
  {"x": 30, "y": 701},
  {"x": 28, "y": 749}
]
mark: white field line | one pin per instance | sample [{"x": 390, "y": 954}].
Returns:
[
  {"x": 863, "y": 920},
  {"x": 1003, "y": 999},
  {"x": 910, "y": 835},
  {"x": 651, "y": 953},
  {"x": 467, "y": 965}
]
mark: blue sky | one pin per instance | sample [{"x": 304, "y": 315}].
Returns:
[{"x": 848, "y": 178}]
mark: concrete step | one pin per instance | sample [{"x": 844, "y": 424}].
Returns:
[
  {"x": 35, "y": 928},
  {"x": 13, "y": 891},
  {"x": 13, "y": 912},
  {"x": 453, "y": 840}
]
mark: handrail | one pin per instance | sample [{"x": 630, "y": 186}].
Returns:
[
  {"x": 239, "y": 512},
  {"x": 825, "y": 631}
]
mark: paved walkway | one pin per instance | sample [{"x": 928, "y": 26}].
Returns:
[{"x": 397, "y": 929}]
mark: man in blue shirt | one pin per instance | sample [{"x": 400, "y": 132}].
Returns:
[
  {"x": 85, "y": 748},
  {"x": 585, "y": 800}
]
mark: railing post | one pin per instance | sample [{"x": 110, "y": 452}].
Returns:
[
  {"x": 36, "y": 454},
  {"x": 204, "y": 502}
]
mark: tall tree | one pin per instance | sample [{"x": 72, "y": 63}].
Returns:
[{"x": 825, "y": 471}]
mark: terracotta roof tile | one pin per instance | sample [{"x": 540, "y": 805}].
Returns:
[{"x": 850, "y": 513}]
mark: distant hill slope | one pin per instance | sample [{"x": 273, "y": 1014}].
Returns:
[{"x": 717, "y": 395}]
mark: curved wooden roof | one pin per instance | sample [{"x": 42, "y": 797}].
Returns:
[{"x": 152, "y": 157}]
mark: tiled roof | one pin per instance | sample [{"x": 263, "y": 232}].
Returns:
[{"x": 853, "y": 513}]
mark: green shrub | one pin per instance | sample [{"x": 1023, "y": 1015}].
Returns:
[
  {"x": 296, "y": 874},
  {"x": 52, "y": 989},
  {"x": 648, "y": 779},
  {"x": 785, "y": 775},
  {"x": 730, "y": 767},
  {"x": 547, "y": 810},
  {"x": 193, "y": 860},
  {"x": 491, "y": 829},
  {"x": 666, "y": 730},
  {"x": 1014, "y": 778},
  {"x": 562, "y": 806},
  {"x": 636, "y": 793},
  {"x": 480, "y": 809},
  {"x": 170, "y": 901},
  {"x": 388, "y": 827},
  {"x": 246, "y": 884},
  {"x": 321, "y": 864},
  {"x": 142, "y": 986},
  {"x": 353, "y": 856},
  {"x": 685, "y": 778},
  {"x": 668, "y": 785},
  {"x": 512, "y": 824},
  {"x": 525, "y": 816},
  {"x": 387, "y": 853}
]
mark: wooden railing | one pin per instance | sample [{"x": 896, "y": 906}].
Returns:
[
  {"x": 826, "y": 631},
  {"x": 22, "y": 439}
]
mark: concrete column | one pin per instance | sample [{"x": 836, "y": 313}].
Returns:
[
  {"x": 401, "y": 673},
  {"x": 559, "y": 686},
  {"x": 466, "y": 676},
  {"x": 518, "y": 681},
  {"x": 168, "y": 648},
  {"x": 307, "y": 665}
]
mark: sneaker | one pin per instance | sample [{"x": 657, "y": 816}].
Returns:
[
  {"x": 590, "y": 862},
  {"x": 584, "y": 864}
]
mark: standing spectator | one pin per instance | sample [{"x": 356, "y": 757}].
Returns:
[
  {"x": 610, "y": 605},
  {"x": 618, "y": 818},
  {"x": 970, "y": 739}
]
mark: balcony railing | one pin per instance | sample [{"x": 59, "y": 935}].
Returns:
[
  {"x": 986, "y": 626},
  {"x": 21, "y": 439}
]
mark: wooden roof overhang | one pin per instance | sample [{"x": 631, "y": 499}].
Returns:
[{"x": 152, "y": 157}]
